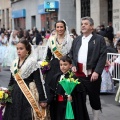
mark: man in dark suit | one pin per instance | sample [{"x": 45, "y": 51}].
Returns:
[{"x": 88, "y": 55}]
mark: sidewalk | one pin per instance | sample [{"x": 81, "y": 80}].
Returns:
[{"x": 110, "y": 108}]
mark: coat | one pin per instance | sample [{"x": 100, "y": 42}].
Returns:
[
  {"x": 97, "y": 53},
  {"x": 58, "y": 109}
]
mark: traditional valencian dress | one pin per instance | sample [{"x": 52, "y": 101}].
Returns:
[
  {"x": 117, "y": 75},
  {"x": 3, "y": 47},
  {"x": 11, "y": 52},
  {"x": 59, "y": 98},
  {"x": 20, "y": 109},
  {"x": 107, "y": 84},
  {"x": 54, "y": 52}
]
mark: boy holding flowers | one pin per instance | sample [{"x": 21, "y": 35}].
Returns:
[{"x": 62, "y": 100}]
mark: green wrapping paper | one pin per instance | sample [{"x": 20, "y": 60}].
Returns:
[
  {"x": 69, "y": 85},
  {"x": 69, "y": 111}
]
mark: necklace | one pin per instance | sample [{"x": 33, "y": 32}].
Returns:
[
  {"x": 19, "y": 66},
  {"x": 60, "y": 41}
]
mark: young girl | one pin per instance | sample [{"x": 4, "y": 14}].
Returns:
[
  {"x": 107, "y": 84},
  {"x": 59, "y": 98},
  {"x": 24, "y": 106}
]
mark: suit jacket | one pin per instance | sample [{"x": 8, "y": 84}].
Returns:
[{"x": 97, "y": 52}]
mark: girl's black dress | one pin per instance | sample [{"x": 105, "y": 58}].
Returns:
[{"x": 20, "y": 108}]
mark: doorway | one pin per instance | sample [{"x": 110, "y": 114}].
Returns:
[
  {"x": 33, "y": 19},
  {"x": 110, "y": 12}
]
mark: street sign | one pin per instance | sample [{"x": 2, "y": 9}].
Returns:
[
  {"x": 51, "y": 6},
  {"x": 50, "y": 10}
]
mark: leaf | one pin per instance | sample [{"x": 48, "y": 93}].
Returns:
[{"x": 6, "y": 95}]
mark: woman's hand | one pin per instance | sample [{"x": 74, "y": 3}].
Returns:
[{"x": 42, "y": 104}]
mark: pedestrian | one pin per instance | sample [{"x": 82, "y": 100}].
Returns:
[
  {"x": 60, "y": 98},
  {"x": 88, "y": 55},
  {"x": 73, "y": 31},
  {"x": 11, "y": 51},
  {"x": 3, "y": 46},
  {"x": 27, "y": 94},
  {"x": 47, "y": 34},
  {"x": 102, "y": 31},
  {"x": 58, "y": 46},
  {"x": 116, "y": 71},
  {"x": 116, "y": 38},
  {"x": 109, "y": 33}
]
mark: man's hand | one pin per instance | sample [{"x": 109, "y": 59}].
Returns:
[
  {"x": 94, "y": 76},
  {"x": 74, "y": 69}
]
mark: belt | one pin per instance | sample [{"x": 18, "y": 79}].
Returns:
[{"x": 60, "y": 98}]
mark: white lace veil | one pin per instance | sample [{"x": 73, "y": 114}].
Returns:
[
  {"x": 67, "y": 37},
  {"x": 67, "y": 34},
  {"x": 11, "y": 38},
  {"x": 33, "y": 54}
]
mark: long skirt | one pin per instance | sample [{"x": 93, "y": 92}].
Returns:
[
  {"x": 20, "y": 108},
  {"x": 107, "y": 85}
]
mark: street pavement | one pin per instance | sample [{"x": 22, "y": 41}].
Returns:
[{"x": 110, "y": 108}]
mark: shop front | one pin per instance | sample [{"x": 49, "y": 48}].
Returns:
[
  {"x": 48, "y": 18},
  {"x": 19, "y": 19}
]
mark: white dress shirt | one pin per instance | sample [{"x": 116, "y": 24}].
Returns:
[{"x": 83, "y": 52}]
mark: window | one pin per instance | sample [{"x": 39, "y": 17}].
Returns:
[
  {"x": 109, "y": 10},
  {"x": 85, "y": 8}
]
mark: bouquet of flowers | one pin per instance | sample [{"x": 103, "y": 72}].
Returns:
[
  {"x": 44, "y": 66},
  {"x": 5, "y": 96},
  {"x": 68, "y": 85}
]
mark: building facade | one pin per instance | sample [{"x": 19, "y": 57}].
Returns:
[
  {"x": 27, "y": 14},
  {"x": 5, "y": 14},
  {"x": 116, "y": 15},
  {"x": 99, "y": 10},
  {"x": 102, "y": 12},
  {"x": 31, "y": 13}
]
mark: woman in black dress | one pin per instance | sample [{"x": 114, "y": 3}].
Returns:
[
  {"x": 58, "y": 45},
  {"x": 28, "y": 69}
]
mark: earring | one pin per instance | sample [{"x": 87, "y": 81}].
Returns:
[{"x": 26, "y": 54}]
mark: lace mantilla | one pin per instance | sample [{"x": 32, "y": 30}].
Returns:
[
  {"x": 27, "y": 68},
  {"x": 64, "y": 48}
]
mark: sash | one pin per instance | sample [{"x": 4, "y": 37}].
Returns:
[
  {"x": 57, "y": 53},
  {"x": 24, "y": 88}
]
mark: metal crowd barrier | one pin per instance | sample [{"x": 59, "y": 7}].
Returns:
[
  {"x": 41, "y": 50},
  {"x": 114, "y": 60}
]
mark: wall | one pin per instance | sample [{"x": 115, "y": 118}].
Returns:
[
  {"x": 103, "y": 12},
  {"x": 67, "y": 11},
  {"x": 31, "y": 10},
  {"x": 116, "y": 15},
  {"x": 5, "y": 18}
]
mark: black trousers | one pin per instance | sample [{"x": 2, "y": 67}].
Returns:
[{"x": 93, "y": 91}]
